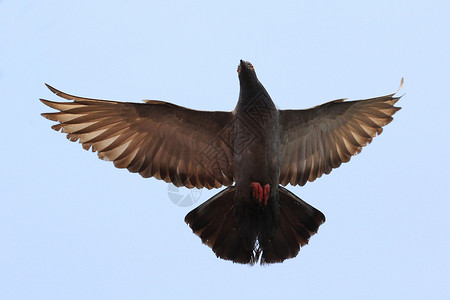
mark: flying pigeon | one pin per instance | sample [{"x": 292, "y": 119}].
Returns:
[{"x": 254, "y": 151}]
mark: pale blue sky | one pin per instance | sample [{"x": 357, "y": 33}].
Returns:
[{"x": 74, "y": 227}]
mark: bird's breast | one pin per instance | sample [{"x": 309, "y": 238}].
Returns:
[{"x": 257, "y": 146}]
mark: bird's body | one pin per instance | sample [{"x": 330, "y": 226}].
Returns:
[
  {"x": 257, "y": 160},
  {"x": 257, "y": 154},
  {"x": 256, "y": 146}
]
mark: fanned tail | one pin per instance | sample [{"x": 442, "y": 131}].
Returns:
[{"x": 245, "y": 241}]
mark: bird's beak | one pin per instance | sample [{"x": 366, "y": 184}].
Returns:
[{"x": 242, "y": 66}]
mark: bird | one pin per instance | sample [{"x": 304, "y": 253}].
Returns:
[{"x": 253, "y": 152}]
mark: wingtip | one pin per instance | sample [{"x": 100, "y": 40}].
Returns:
[
  {"x": 399, "y": 88},
  {"x": 401, "y": 85},
  {"x": 52, "y": 89},
  {"x": 45, "y": 115},
  {"x": 44, "y": 101}
]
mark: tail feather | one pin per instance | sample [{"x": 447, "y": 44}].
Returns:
[
  {"x": 215, "y": 222},
  {"x": 207, "y": 220},
  {"x": 298, "y": 222}
]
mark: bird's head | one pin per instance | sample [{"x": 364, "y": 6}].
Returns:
[
  {"x": 249, "y": 85},
  {"x": 246, "y": 70}
]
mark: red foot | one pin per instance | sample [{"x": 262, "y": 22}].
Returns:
[
  {"x": 259, "y": 193},
  {"x": 266, "y": 193}
]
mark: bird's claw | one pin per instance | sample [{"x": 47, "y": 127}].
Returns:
[{"x": 259, "y": 193}]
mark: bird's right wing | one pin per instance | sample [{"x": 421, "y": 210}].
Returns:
[
  {"x": 315, "y": 141},
  {"x": 158, "y": 139}
]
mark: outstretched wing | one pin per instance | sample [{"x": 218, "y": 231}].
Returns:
[
  {"x": 155, "y": 139},
  {"x": 315, "y": 141}
]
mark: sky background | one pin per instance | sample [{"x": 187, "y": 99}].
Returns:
[{"x": 74, "y": 227}]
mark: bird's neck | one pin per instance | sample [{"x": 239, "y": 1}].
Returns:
[{"x": 253, "y": 95}]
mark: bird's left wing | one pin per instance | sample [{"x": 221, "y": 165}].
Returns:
[
  {"x": 315, "y": 141},
  {"x": 158, "y": 139}
]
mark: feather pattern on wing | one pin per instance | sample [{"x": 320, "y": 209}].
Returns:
[
  {"x": 314, "y": 141},
  {"x": 155, "y": 139}
]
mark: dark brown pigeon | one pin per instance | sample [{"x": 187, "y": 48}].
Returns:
[{"x": 256, "y": 147}]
